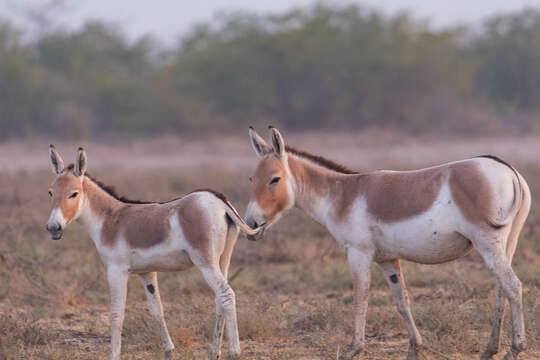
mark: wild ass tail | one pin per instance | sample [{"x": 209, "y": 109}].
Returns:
[
  {"x": 518, "y": 195},
  {"x": 232, "y": 213},
  {"x": 237, "y": 219}
]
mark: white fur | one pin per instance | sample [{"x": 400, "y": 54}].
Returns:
[{"x": 56, "y": 217}]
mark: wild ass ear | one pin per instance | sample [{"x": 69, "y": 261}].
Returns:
[
  {"x": 80, "y": 162},
  {"x": 56, "y": 160},
  {"x": 277, "y": 143},
  {"x": 259, "y": 145}
]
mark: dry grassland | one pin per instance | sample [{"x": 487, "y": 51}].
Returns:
[{"x": 294, "y": 291}]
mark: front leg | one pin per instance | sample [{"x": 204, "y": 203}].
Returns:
[
  {"x": 360, "y": 265},
  {"x": 118, "y": 278}
]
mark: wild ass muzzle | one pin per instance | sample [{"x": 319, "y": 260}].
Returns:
[
  {"x": 428, "y": 216},
  {"x": 198, "y": 229}
]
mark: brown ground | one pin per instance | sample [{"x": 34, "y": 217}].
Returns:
[{"x": 293, "y": 288}]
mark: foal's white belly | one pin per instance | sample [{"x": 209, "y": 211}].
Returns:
[{"x": 156, "y": 259}]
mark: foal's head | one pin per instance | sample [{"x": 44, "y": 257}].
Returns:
[
  {"x": 271, "y": 183},
  {"x": 66, "y": 192}
]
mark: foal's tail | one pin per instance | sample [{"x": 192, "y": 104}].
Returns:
[
  {"x": 237, "y": 219},
  {"x": 232, "y": 214}
]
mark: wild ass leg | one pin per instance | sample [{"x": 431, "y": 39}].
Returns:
[
  {"x": 224, "y": 262},
  {"x": 155, "y": 307},
  {"x": 500, "y": 298},
  {"x": 360, "y": 265},
  {"x": 118, "y": 289},
  {"x": 498, "y": 320},
  {"x": 498, "y": 263},
  {"x": 225, "y": 311},
  {"x": 393, "y": 275}
]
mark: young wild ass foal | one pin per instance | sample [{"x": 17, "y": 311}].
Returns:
[
  {"x": 198, "y": 229},
  {"x": 428, "y": 216}
]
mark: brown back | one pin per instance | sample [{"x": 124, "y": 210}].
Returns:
[{"x": 393, "y": 196}]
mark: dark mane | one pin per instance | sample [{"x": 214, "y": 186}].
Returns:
[
  {"x": 110, "y": 190},
  {"x": 329, "y": 164}
]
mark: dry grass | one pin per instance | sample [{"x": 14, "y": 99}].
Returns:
[{"x": 294, "y": 293}]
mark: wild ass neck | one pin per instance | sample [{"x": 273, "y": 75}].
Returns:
[
  {"x": 98, "y": 205},
  {"x": 324, "y": 194}
]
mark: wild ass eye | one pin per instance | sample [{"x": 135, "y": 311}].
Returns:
[
  {"x": 74, "y": 195},
  {"x": 50, "y": 193},
  {"x": 274, "y": 180}
]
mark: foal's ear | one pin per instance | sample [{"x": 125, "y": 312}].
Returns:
[
  {"x": 259, "y": 145},
  {"x": 277, "y": 143},
  {"x": 56, "y": 161},
  {"x": 80, "y": 163}
]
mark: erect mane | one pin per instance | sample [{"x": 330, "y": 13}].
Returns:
[
  {"x": 319, "y": 160},
  {"x": 111, "y": 191}
]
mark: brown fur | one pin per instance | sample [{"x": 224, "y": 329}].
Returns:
[
  {"x": 144, "y": 225},
  {"x": 195, "y": 224},
  {"x": 392, "y": 196},
  {"x": 471, "y": 192},
  {"x": 345, "y": 188},
  {"x": 273, "y": 199},
  {"x": 64, "y": 185}
]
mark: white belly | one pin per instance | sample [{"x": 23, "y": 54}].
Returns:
[
  {"x": 157, "y": 259},
  {"x": 430, "y": 238}
]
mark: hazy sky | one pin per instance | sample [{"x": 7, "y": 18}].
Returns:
[{"x": 170, "y": 18}]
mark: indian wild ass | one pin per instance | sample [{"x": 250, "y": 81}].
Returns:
[
  {"x": 198, "y": 229},
  {"x": 428, "y": 216}
]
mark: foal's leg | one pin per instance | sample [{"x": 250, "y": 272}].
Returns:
[
  {"x": 150, "y": 284},
  {"x": 360, "y": 265},
  {"x": 225, "y": 310},
  {"x": 224, "y": 262},
  {"x": 394, "y": 277},
  {"x": 498, "y": 263},
  {"x": 118, "y": 288}
]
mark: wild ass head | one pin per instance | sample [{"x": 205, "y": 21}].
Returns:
[
  {"x": 66, "y": 192},
  {"x": 272, "y": 187}
]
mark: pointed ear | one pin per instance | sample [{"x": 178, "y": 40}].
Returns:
[
  {"x": 277, "y": 143},
  {"x": 80, "y": 163},
  {"x": 56, "y": 160},
  {"x": 259, "y": 145}
]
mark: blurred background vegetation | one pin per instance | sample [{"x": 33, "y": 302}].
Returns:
[{"x": 324, "y": 66}]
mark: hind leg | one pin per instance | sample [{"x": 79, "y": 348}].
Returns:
[
  {"x": 500, "y": 299},
  {"x": 225, "y": 310},
  {"x": 224, "y": 262},
  {"x": 491, "y": 249}
]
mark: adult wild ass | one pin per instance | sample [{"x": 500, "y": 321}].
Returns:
[
  {"x": 428, "y": 216},
  {"x": 198, "y": 229}
]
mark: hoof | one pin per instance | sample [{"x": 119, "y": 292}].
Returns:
[
  {"x": 513, "y": 353},
  {"x": 351, "y": 351},
  {"x": 214, "y": 356},
  {"x": 233, "y": 356},
  {"x": 168, "y": 354},
  {"x": 415, "y": 352},
  {"x": 488, "y": 354}
]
